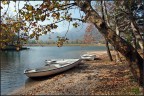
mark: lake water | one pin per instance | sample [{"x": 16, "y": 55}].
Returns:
[{"x": 13, "y": 63}]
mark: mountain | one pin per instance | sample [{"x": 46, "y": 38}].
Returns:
[{"x": 73, "y": 34}]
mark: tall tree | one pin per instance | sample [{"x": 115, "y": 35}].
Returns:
[
  {"x": 120, "y": 44},
  {"x": 103, "y": 10}
]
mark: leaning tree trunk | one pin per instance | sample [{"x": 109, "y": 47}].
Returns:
[
  {"x": 106, "y": 21},
  {"x": 120, "y": 44}
]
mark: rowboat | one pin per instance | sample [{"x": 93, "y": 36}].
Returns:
[
  {"x": 53, "y": 68},
  {"x": 53, "y": 61},
  {"x": 88, "y": 57}
]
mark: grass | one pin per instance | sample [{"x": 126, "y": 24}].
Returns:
[{"x": 135, "y": 90}]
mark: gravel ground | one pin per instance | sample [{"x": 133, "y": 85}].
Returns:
[{"x": 97, "y": 77}]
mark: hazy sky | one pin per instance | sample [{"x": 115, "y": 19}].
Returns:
[{"x": 63, "y": 26}]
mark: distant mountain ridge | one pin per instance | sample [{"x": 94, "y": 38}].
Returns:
[{"x": 73, "y": 34}]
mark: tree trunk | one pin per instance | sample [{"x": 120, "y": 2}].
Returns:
[
  {"x": 108, "y": 51},
  {"x": 106, "y": 21},
  {"x": 118, "y": 33},
  {"x": 117, "y": 56},
  {"x": 137, "y": 36},
  {"x": 120, "y": 44},
  {"x": 106, "y": 14}
]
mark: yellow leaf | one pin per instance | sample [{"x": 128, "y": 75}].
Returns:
[
  {"x": 45, "y": 32},
  {"x": 43, "y": 17},
  {"x": 4, "y": 2},
  {"x": 54, "y": 14},
  {"x": 30, "y": 8},
  {"x": 18, "y": 25},
  {"x": 37, "y": 37},
  {"x": 55, "y": 26},
  {"x": 32, "y": 35},
  {"x": 14, "y": 0},
  {"x": 26, "y": 17},
  {"x": 24, "y": 24},
  {"x": 39, "y": 30},
  {"x": 37, "y": 17}
]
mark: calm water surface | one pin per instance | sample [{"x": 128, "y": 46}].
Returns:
[{"x": 13, "y": 63}]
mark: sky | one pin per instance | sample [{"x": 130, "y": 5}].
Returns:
[{"x": 63, "y": 26}]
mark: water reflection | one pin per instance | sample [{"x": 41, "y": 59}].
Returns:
[{"x": 11, "y": 70}]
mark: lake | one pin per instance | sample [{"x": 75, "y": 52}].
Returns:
[{"x": 13, "y": 63}]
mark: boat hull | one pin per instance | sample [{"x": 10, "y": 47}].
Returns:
[{"x": 51, "y": 72}]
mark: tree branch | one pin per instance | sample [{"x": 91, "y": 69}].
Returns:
[{"x": 58, "y": 9}]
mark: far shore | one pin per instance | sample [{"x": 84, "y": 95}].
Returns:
[
  {"x": 64, "y": 44},
  {"x": 96, "y": 77}
]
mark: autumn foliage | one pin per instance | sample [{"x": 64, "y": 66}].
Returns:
[{"x": 88, "y": 36}]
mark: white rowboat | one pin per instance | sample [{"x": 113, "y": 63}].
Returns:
[
  {"x": 88, "y": 57},
  {"x": 57, "y": 67}
]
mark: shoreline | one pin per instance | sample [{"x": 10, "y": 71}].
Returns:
[
  {"x": 64, "y": 45},
  {"x": 97, "y": 77}
]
